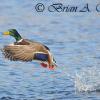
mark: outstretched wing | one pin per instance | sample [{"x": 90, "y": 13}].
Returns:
[
  {"x": 24, "y": 53},
  {"x": 19, "y": 52}
]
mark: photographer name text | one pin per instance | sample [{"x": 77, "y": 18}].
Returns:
[{"x": 59, "y": 7}]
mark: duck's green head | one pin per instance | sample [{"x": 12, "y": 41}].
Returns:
[{"x": 14, "y": 33}]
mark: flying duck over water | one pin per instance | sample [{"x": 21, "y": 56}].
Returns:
[{"x": 27, "y": 50}]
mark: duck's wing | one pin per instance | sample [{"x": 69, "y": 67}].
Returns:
[{"x": 23, "y": 53}]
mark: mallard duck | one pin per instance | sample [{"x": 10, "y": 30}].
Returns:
[{"x": 27, "y": 50}]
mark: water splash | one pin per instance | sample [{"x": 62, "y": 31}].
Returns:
[
  {"x": 88, "y": 79},
  {"x": 85, "y": 80}
]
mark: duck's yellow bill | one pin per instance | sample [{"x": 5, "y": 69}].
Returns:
[{"x": 6, "y": 33}]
